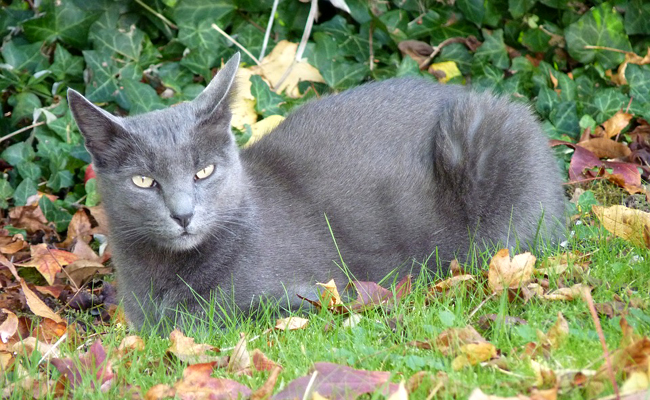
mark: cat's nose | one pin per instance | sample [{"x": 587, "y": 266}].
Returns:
[{"x": 182, "y": 219}]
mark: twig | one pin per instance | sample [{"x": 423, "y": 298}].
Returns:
[
  {"x": 157, "y": 14},
  {"x": 58, "y": 342},
  {"x": 586, "y": 294},
  {"x": 480, "y": 305},
  {"x": 267, "y": 34},
  {"x": 438, "y": 48},
  {"x": 303, "y": 42},
  {"x": 21, "y": 130},
  {"x": 590, "y": 47},
  {"x": 309, "y": 385},
  {"x": 371, "y": 51},
  {"x": 236, "y": 43}
]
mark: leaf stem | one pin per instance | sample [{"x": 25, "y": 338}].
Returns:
[
  {"x": 157, "y": 14},
  {"x": 21, "y": 130},
  {"x": 267, "y": 34},
  {"x": 236, "y": 43}
]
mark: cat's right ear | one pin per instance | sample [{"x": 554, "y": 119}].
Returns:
[
  {"x": 215, "y": 95},
  {"x": 98, "y": 127}
]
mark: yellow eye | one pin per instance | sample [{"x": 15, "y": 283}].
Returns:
[
  {"x": 205, "y": 172},
  {"x": 143, "y": 181}
]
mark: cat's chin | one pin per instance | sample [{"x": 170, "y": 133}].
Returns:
[{"x": 184, "y": 242}]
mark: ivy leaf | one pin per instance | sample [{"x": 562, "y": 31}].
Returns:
[
  {"x": 60, "y": 179},
  {"x": 200, "y": 62},
  {"x": 26, "y": 57},
  {"x": 608, "y": 102},
  {"x": 546, "y": 100},
  {"x": 518, "y": 8},
  {"x": 62, "y": 20},
  {"x": 92, "y": 196},
  {"x": 267, "y": 102},
  {"x": 102, "y": 84},
  {"x": 174, "y": 76},
  {"x": 29, "y": 170},
  {"x": 25, "y": 189},
  {"x": 6, "y": 191},
  {"x": 536, "y": 40},
  {"x": 65, "y": 64},
  {"x": 55, "y": 214},
  {"x": 494, "y": 49},
  {"x": 337, "y": 74},
  {"x": 127, "y": 43},
  {"x": 24, "y": 105},
  {"x": 190, "y": 12},
  {"x": 600, "y": 26},
  {"x": 141, "y": 96},
  {"x": 473, "y": 10},
  {"x": 425, "y": 25},
  {"x": 637, "y": 15},
  {"x": 565, "y": 118},
  {"x": 199, "y": 36},
  {"x": 638, "y": 77},
  {"x": 18, "y": 153}
]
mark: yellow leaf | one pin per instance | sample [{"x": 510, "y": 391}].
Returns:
[
  {"x": 448, "y": 68},
  {"x": 331, "y": 294},
  {"x": 261, "y": 128},
  {"x": 48, "y": 261},
  {"x": 275, "y": 65},
  {"x": 36, "y": 305},
  {"x": 506, "y": 273},
  {"x": 614, "y": 125},
  {"x": 291, "y": 323},
  {"x": 629, "y": 224},
  {"x": 567, "y": 294},
  {"x": 472, "y": 354},
  {"x": 243, "y": 102},
  {"x": 558, "y": 332},
  {"x": 637, "y": 381}
]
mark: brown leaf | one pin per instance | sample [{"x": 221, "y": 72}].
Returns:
[
  {"x": 48, "y": 261},
  {"x": 79, "y": 227},
  {"x": 330, "y": 295},
  {"x": 614, "y": 125},
  {"x": 198, "y": 384},
  {"x": 186, "y": 350},
  {"x": 627, "y": 223},
  {"x": 630, "y": 58},
  {"x": 9, "y": 327},
  {"x": 81, "y": 271},
  {"x": 240, "y": 359},
  {"x": 335, "y": 382},
  {"x": 485, "y": 321},
  {"x": 452, "y": 282},
  {"x": 99, "y": 215},
  {"x": 36, "y": 305},
  {"x": 49, "y": 331},
  {"x": 567, "y": 294},
  {"x": 27, "y": 346},
  {"x": 291, "y": 323},
  {"x": 558, "y": 333},
  {"x": 417, "y": 50},
  {"x": 92, "y": 362},
  {"x": 129, "y": 345},
  {"x": 12, "y": 245},
  {"x": 266, "y": 390},
  {"x": 261, "y": 362},
  {"x": 449, "y": 341},
  {"x": 472, "y": 354},
  {"x": 603, "y": 147},
  {"x": 84, "y": 251},
  {"x": 510, "y": 273},
  {"x": 30, "y": 218},
  {"x": 634, "y": 357},
  {"x": 54, "y": 290}
]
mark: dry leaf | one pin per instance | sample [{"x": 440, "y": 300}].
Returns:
[
  {"x": 240, "y": 359},
  {"x": 48, "y": 261},
  {"x": 291, "y": 323},
  {"x": 243, "y": 101},
  {"x": 261, "y": 362},
  {"x": 449, "y": 341},
  {"x": 266, "y": 390},
  {"x": 13, "y": 244},
  {"x": 330, "y": 296},
  {"x": 36, "y": 305},
  {"x": 130, "y": 344},
  {"x": 477, "y": 394},
  {"x": 630, "y": 58},
  {"x": 275, "y": 65},
  {"x": 9, "y": 327},
  {"x": 567, "y": 294},
  {"x": 261, "y": 128},
  {"x": 30, "y": 218},
  {"x": 472, "y": 354},
  {"x": 603, "y": 147},
  {"x": 79, "y": 227},
  {"x": 198, "y": 384},
  {"x": 186, "y": 350},
  {"x": 614, "y": 125},
  {"x": 28, "y": 345},
  {"x": 452, "y": 282},
  {"x": 506, "y": 273},
  {"x": 444, "y": 71},
  {"x": 400, "y": 394},
  {"x": 417, "y": 50},
  {"x": 81, "y": 271},
  {"x": 558, "y": 332},
  {"x": 627, "y": 223}
]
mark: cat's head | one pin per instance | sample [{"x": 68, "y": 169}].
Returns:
[{"x": 169, "y": 177}]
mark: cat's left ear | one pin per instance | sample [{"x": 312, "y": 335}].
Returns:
[{"x": 215, "y": 95}]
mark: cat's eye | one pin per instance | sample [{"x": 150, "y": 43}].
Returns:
[
  {"x": 205, "y": 172},
  {"x": 143, "y": 181}
]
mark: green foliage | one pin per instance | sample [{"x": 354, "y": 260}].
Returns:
[{"x": 132, "y": 59}]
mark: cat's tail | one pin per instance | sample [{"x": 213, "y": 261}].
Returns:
[{"x": 494, "y": 170}]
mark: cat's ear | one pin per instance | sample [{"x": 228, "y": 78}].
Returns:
[
  {"x": 216, "y": 94},
  {"x": 98, "y": 127}
]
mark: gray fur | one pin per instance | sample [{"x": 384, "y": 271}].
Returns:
[{"x": 401, "y": 168}]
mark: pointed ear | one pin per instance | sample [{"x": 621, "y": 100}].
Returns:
[
  {"x": 217, "y": 91},
  {"x": 98, "y": 127}
]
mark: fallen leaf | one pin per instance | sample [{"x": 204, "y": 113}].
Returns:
[
  {"x": 603, "y": 147},
  {"x": 243, "y": 101},
  {"x": 28, "y": 345},
  {"x": 543, "y": 394},
  {"x": 261, "y": 362},
  {"x": 291, "y": 323},
  {"x": 335, "y": 382},
  {"x": 262, "y": 127},
  {"x": 30, "y": 218},
  {"x": 477, "y": 394},
  {"x": 186, "y": 350},
  {"x": 634, "y": 357},
  {"x": 450, "y": 340},
  {"x": 93, "y": 362},
  {"x": 81, "y": 271},
  {"x": 627, "y": 223},
  {"x": 275, "y": 65},
  {"x": 444, "y": 71},
  {"x": 472, "y": 354},
  {"x": 12, "y": 244},
  {"x": 266, "y": 390},
  {"x": 558, "y": 333},
  {"x": 49, "y": 331},
  {"x": 370, "y": 295},
  {"x": 9, "y": 327},
  {"x": 240, "y": 359},
  {"x": 417, "y": 50},
  {"x": 48, "y": 261},
  {"x": 198, "y": 384},
  {"x": 130, "y": 344},
  {"x": 36, "y": 305},
  {"x": 512, "y": 273},
  {"x": 452, "y": 282},
  {"x": 400, "y": 394},
  {"x": 486, "y": 321},
  {"x": 352, "y": 321},
  {"x": 636, "y": 382},
  {"x": 79, "y": 227},
  {"x": 82, "y": 250},
  {"x": 614, "y": 125},
  {"x": 567, "y": 294},
  {"x": 330, "y": 295}
]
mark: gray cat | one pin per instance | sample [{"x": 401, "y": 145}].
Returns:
[{"x": 392, "y": 171}]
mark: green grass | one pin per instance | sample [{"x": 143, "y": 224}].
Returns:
[{"x": 380, "y": 340}]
